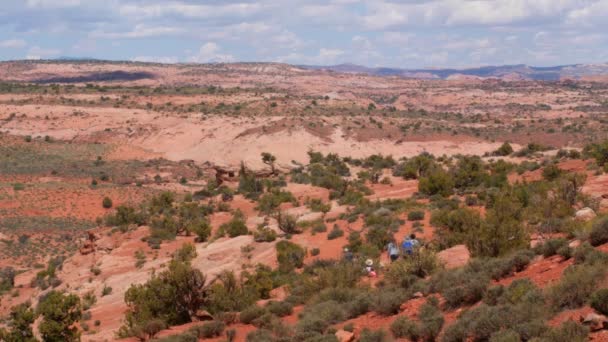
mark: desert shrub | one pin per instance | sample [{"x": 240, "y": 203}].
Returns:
[
  {"x": 290, "y": 256},
  {"x": 106, "y": 290},
  {"x": 599, "y": 232},
  {"x": 505, "y": 336},
  {"x": 335, "y": 233},
  {"x": 236, "y": 226},
  {"x": 502, "y": 231},
  {"x": 599, "y": 301},
  {"x": 280, "y": 309},
  {"x": 7, "y": 279},
  {"x": 318, "y": 317},
  {"x": 249, "y": 185},
  {"x": 437, "y": 182},
  {"x": 568, "y": 331},
  {"x": 460, "y": 286},
  {"x": 586, "y": 254},
  {"x": 504, "y": 150},
  {"x": 251, "y": 313},
  {"x": 202, "y": 229},
  {"x": 406, "y": 271},
  {"x": 19, "y": 324},
  {"x": 551, "y": 246},
  {"x": 456, "y": 226},
  {"x": 387, "y": 302},
  {"x": 260, "y": 335},
  {"x": 431, "y": 320},
  {"x": 270, "y": 201},
  {"x": 565, "y": 252},
  {"x": 107, "y": 202},
  {"x": 171, "y": 296},
  {"x": 576, "y": 286},
  {"x": 551, "y": 172},
  {"x": 403, "y": 327},
  {"x": 416, "y": 167},
  {"x": 373, "y": 336},
  {"x": 287, "y": 223},
  {"x": 317, "y": 205},
  {"x": 264, "y": 234},
  {"x": 126, "y": 215},
  {"x": 416, "y": 215},
  {"x": 230, "y": 294},
  {"x": 315, "y": 251},
  {"x": 209, "y": 329},
  {"x": 184, "y": 337},
  {"x": 598, "y": 151},
  {"x": 471, "y": 200},
  {"x": 60, "y": 312}
]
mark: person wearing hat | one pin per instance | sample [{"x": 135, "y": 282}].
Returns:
[
  {"x": 369, "y": 268},
  {"x": 348, "y": 255}
]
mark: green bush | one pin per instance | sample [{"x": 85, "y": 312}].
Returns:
[
  {"x": 505, "y": 336},
  {"x": 261, "y": 335},
  {"x": 290, "y": 256},
  {"x": 438, "y": 182},
  {"x": 403, "y": 327},
  {"x": 270, "y": 201},
  {"x": 504, "y": 150},
  {"x": 599, "y": 301},
  {"x": 210, "y": 329},
  {"x": 251, "y": 313},
  {"x": 416, "y": 215},
  {"x": 236, "y": 226},
  {"x": 335, "y": 233},
  {"x": 599, "y": 232},
  {"x": 551, "y": 172},
  {"x": 373, "y": 336},
  {"x": 264, "y": 234},
  {"x": 60, "y": 312},
  {"x": 576, "y": 286},
  {"x": 551, "y": 246},
  {"x": 431, "y": 320},
  {"x": 569, "y": 331},
  {"x": 107, "y": 202},
  {"x": 171, "y": 296},
  {"x": 315, "y": 251},
  {"x": 280, "y": 309},
  {"x": 387, "y": 302}
]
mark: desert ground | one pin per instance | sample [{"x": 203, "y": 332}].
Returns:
[{"x": 113, "y": 175}]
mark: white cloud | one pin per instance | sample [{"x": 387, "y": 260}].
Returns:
[
  {"x": 384, "y": 15},
  {"x": 198, "y": 11},
  {"x": 139, "y": 31},
  {"x": 13, "y": 44},
  {"x": 37, "y": 52},
  {"x": 392, "y": 37},
  {"x": 156, "y": 59},
  {"x": 210, "y": 52},
  {"x": 52, "y": 3},
  {"x": 325, "y": 56}
]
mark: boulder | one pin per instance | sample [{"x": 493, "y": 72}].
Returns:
[
  {"x": 202, "y": 315},
  {"x": 585, "y": 214},
  {"x": 454, "y": 257},
  {"x": 595, "y": 321},
  {"x": 345, "y": 336}
]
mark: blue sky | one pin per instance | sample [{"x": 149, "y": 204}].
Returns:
[{"x": 406, "y": 34}]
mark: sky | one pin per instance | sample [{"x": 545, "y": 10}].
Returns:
[{"x": 403, "y": 34}]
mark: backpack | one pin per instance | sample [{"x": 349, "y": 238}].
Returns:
[{"x": 408, "y": 246}]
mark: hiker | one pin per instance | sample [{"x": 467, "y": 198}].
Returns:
[
  {"x": 393, "y": 251},
  {"x": 410, "y": 244},
  {"x": 369, "y": 268},
  {"x": 348, "y": 255}
]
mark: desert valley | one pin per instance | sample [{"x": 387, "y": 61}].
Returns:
[{"x": 259, "y": 201}]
